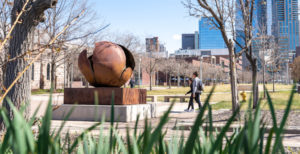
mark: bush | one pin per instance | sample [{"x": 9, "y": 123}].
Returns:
[{"x": 19, "y": 137}]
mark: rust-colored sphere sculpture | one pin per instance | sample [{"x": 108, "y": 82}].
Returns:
[{"x": 111, "y": 65}]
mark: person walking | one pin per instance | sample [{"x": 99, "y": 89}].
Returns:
[
  {"x": 191, "y": 101},
  {"x": 131, "y": 82},
  {"x": 197, "y": 89}
]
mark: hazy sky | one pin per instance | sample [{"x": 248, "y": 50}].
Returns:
[{"x": 167, "y": 19}]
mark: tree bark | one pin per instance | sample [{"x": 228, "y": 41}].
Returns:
[
  {"x": 53, "y": 75},
  {"x": 273, "y": 81},
  {"x": 169, "y": 81},
  {"x": 42, "y": 82},
  {"x": 233, "y": 79},
  {"x": 150, "y": 80},
  {"x": 19, "y": 44},
  {"x": 254, "y": 83},
  {"x": 264, "y": 80}
]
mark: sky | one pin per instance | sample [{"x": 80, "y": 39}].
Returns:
[{"x": 167, "y": 19}]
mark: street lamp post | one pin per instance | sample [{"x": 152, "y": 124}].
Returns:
[{"x": 201, "y": 63}]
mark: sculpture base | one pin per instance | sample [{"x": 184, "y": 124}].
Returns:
[
  {"x": 122, "y": 96},
  {"x": 122, "y": 113}
]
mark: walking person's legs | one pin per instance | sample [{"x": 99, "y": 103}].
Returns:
[
  {"x": 191, "y": 103},
  {"x": 197, "y": 99}
]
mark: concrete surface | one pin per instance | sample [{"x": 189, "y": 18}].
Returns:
[{"x": 122, "y": 113}]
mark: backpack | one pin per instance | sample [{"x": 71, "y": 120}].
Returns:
[{"x": 200, "y": 86}]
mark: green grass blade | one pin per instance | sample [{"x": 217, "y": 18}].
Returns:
[
  {"x": 198, "y": 122},
  {"x": 112, "y": 118},
  {"x": 156, "y": 133},
  {"x": 283, "y": 122}
]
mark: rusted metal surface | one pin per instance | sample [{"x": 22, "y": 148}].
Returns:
[
  {"x": 122, "y": 96},
  {"x": 111, "y": 65}
]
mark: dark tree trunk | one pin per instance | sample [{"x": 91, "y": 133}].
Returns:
[
  {"x": 264, "y": 80},
  {"x": 53, "y": 76},
  {"x": 273, "y": 81},
  {"x": 42, "y": 82},
  {"x": 19, "y": 44},
  {"x": 169, "y": 81},
  {"x": 254, "y": 85},
  {"x": 253, "y": 63},
  {"x": 233, "y": 79},
  {"x": 150, "y": 80}
]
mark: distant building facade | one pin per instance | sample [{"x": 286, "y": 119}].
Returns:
[
  {"x": 190, "y": 41},
  {"x": 152, "y": 44},
  {"x": 209, "y": 36},
  {"x": 286, "y": 25}
]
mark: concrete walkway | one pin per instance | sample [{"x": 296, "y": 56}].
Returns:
[{"x": 177, "y": 117}]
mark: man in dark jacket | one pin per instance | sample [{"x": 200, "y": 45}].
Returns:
[{"x": 196, "y": 92}]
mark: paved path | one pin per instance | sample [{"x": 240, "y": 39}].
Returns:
[{"x": 176, "y": 118}]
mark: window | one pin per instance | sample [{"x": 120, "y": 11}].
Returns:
[
  {"x": 32, "y": 72},
  {"x": 48, "y": 71}
]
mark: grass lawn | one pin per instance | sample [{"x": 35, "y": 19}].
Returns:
[
  {"x": 45, "y": 91},
  {"x": 207, "y": 89},
  {"x": 279, "y": 100},
  {"x": 223, "y": 100}
]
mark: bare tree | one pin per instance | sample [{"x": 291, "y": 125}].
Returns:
[
  {"x": 5, "y": 10},
  {"x": 264, "y": 44},
  {"x": 167, "y": 66},
  {"x": 77, "y": 34},
  {"x": 274, "y": 62},
  {"x": 184, "y": 70},
  {"x": 296, "y": 70},
  {"x": 222, "y": 16},
  {"x": 18, "y": 45},
  {"x": 149, "y": 64},
  {"x": 132, "y": 42}
]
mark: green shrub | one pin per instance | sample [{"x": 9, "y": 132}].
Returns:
[{"x": 249, "y": 138}]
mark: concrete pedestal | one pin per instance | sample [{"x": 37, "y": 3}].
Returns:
[{"x": 122, "y": 113}]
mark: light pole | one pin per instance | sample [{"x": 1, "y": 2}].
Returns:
[
  {"x": 140, "y": 60},
  {"x": 201, "y": 62}
]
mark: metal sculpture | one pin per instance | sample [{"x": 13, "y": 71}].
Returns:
[{"x": 111, "y": 65}]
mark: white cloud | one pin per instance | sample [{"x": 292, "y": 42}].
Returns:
[{"x": 176, "y": 37}]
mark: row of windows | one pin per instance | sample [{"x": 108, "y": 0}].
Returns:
[{"x": 48, "y": 72}]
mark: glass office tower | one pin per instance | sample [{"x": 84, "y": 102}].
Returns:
[
  {"x": 286, "y": 25},
  {"x": 209, "y": 36}
]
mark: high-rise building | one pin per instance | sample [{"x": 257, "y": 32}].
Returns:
[
  {"x": 285, "y": 25},
  {"x": 190, "y": 41},
  {"x": 152, "y": 44},
  {"x": 209, "y": 36},
  {"x": 187, "y": 41}
]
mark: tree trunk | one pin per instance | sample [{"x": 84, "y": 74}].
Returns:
[
  {"x": 53, "y": 76},
  {"x": 264, "y": 82},
  {"x": 150, "y": 80},
  {"x": 169, "y": 81},
  {"x": 184, "y": 82},
  {"x": 254, "y": 84},
  {"x": 273, "y": 75},
  {"x": 19, "y": 44},
  {"x": 233, "y": 80},
  {"x": 178, "y": 81},
  {"x": 42, "y": 82}
]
